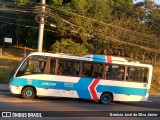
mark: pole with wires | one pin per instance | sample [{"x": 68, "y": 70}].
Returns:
[{"x": 41, "y": 26}]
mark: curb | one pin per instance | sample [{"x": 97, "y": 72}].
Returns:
[{"x": 4, "y": 90}]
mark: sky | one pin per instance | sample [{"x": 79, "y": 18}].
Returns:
[{"x": 156, "y": 1}]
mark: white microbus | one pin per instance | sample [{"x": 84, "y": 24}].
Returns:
[{"x": 94, "y": 77}]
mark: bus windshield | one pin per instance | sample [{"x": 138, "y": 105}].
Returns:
[{"x": 32, "y": 65}]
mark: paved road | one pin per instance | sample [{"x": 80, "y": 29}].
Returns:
[{"x": 10, "y": 102}]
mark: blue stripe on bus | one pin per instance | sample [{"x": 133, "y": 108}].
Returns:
[
  {"x": 122, "y": 90},
  {"x": 99, "y": 58},
  {"x": 81, "y": 87},
  {"x": 40, "y": 83}
]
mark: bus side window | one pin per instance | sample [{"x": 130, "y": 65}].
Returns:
[
  {"x": 145, "y": 77},
  {"x": 59, "y": 71},
  {"x": 86, "y": 69},
  {"x": 42, "y": 66},
  {"x": 22, "y": 69},
  {"x": 108, "y": 72},
  {"x": 121, "y": 73},
  {"x": 52, "y": 66},
  {"x": 97, "y": 70},
  {"x": 114, "y": 72},
  {"x": 33, "y": 66},
  {"x": 68, "y": 67},
  {"x": 130, "y": 74},
  {"x": 137, "y": 74},
  {"x": 90, "y": 69}
]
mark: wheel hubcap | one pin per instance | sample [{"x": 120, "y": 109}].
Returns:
[
  {"x": 28, "y": 93},
  {"x": 105, "y": 99}
]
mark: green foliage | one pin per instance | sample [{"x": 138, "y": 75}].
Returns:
[
  {"x": 57, "y": 2},
  {"x": 7, "y": 30},
  {"x": 32, "y": 39},
  {"x": 69, "y": 47},
  {"x": 110, "y": 23},
  {"x": 153, "y": 17},
  {"x": 79, "y": 6},
  {"x": 21, "y": 2}
]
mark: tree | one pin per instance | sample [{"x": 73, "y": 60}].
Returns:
[
  {"x": 56, "y": 2},
  {"x": 70, "y": 47}
]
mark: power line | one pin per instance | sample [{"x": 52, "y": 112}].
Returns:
[
  {"x": 124, "y": 8},
  {"x": 15, "y": 4},
  {"x": 17, "y": 10},
  {"x": 49, "y": 23},
  {"x": 143, "y": 47},
  {"x": 128, "y": 42},
  {"x": 144, "y": 41},
  {"x": 110, "y": 25},
  {"x": 93, "y": 28},
  {"x": 120, "y": 41},
  {"x": 108, "y": 37},
  {"x": 19, "y": 24},
  {"x": 127, "y": 11},
  {"x": 16, "y": 19},
  {"x": 80, "y": 26},
  {"x": 63, "y": 20},
  {"x": 26, "y": 26}
]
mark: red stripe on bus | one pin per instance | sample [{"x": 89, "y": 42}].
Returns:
[
  {"x": 109, "y": 59},
  {"x": 92, "y": 89}
]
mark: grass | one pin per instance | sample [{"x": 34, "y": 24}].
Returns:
[
  {"x": 5, "y": 74},
  {"x": 155, "y": 86},
  {"x": 9, "y": 59},
  {"x": 12, "y": 56}
]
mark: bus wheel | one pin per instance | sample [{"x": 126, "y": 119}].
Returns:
[
  {"x": 105, "y": 98},
  {"x": 28, "y": 93}
]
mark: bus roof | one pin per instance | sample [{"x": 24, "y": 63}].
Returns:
[
  {"x": 92, "y": 57},
  {"x": 103, "y": 57}
]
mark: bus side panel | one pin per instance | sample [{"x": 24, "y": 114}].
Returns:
[
  {"x": 74, "y": 87},
  {"x": 123, "y": 97},
  {"x": 123, "y": 91},
  {"x": 57, "y": 93},
  {"x": 15, "y": 89},
  {"x": 53, "y": 85}
]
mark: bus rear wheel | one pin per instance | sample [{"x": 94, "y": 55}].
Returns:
[
  {"x": 28, "y": 93},
  {"x": 106, "y": 98}
]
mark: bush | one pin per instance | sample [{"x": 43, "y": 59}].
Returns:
[{"x": 69, "y": 47}]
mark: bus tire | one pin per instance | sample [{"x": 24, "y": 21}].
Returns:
[
  {"x": 28, "y": 93},
  {"x": 106, "y": 98}
]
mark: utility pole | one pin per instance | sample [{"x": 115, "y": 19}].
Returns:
[{"x": 41, "y": 26}]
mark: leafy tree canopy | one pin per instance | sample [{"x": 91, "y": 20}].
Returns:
[{"x": 68, "y": 46}]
